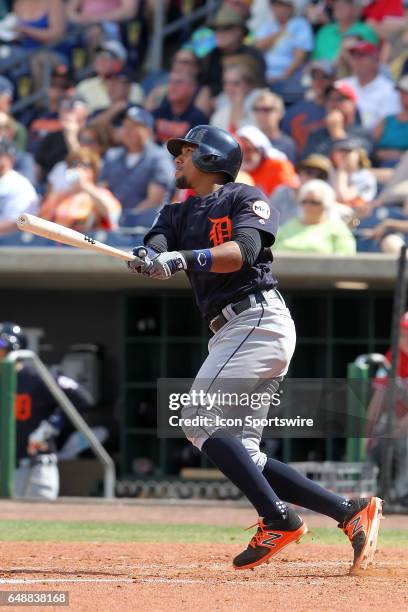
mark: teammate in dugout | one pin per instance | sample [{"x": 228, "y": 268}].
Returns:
[
  {"x": 221, "y": 237},
  {"x": 38, "y": 422}
]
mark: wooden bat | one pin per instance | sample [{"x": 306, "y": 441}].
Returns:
[{"x": 65, "y": 235}]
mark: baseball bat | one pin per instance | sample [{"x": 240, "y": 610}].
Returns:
[{"x": 65, "y": 235}]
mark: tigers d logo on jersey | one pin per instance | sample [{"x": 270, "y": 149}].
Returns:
[{"x": 221, "y": 230}]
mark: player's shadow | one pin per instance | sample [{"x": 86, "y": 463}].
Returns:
[{"x": 53, "y": 572}]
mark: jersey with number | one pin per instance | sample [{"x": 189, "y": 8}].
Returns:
[
  {"x": 34, "y": 403},
  {"x": 206, "y": 222}
]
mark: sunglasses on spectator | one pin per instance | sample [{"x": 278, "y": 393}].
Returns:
[
  {"x": 311, "y": 202},
  {"x": 316, "y": 74},
  {"x": 80, "y": 164},
  {"x": 235, "y": 82},
  {"x": 87, "y": 140},
  {"x": 265, "y": 109},
  {"x": 226, "y": 28}
]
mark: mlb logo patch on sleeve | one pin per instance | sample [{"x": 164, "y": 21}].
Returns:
[{"x": 261, "y": 209}]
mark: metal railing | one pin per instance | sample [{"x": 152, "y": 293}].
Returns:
[
  {"x": 161, "y": 30},
  {"x": 72, "y": 414}
]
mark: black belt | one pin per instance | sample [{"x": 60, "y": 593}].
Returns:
[{"x": 219, "y": 321}]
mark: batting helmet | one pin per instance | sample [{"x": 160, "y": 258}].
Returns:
[
  {"x": 217, "y": 150},
  {"x": 12, "y": 337}
]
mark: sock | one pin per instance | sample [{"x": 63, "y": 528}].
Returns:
[
  {"x": 231, "y": 457},
  {"x": 295, "y": 488}
]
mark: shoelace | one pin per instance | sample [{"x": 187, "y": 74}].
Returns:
[{"x": 259, "y": 535}]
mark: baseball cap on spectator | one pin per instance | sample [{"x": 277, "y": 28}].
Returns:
[
  {"x": 344, "y": 89},
  {"x": 315, "y": 161},
  {"x": 61, "y": 76},
  {"x": 113, "y": 48},
  {"x": 140, "y": 115},
  {"x": 7, "y": 148},
  {"x": 364, "y": 47},
  {"x": 346, "y": 144},
  {"x": 71, "y": 102},
  {"x": 402, "y": 84},
  {"x": 6, "y": 87},
  {"x": 324, "y": 66},
  {"x": 226, "y": 17}
]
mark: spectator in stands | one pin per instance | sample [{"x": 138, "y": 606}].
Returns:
[
  {"x": 390, "y": 394},
  {"x": 17, "y": 195},
  {"x": 376, "y": 95},
  {"x": 140, "y": 173},
  {"x": 314, "y": 231},
  {"x": 6, "y": 98},
  {"x": 177, "y": 113},
  {"x": 391, "y": 134},
  {"x": 111, "y": 57},
  {"x": 390, "y": 234},
  {"x": 118, "y": 87},
  {"x": 319, "y": 13},
  {"x": 73, "y": 113},
  {"x": 239, "y": 91},
  {"x": 93, "y": 137},
  {"x": 353, "y": 182},
  {"x": 341, "y": 121},
  {"x": 347, "y": 14},
  {"x": 268, "y": 167},
  {"x": 84, "y": 206},
  {"x": 91, "y": 12},
  {"x": 286, "y": 41},
  {"x": 41, "y": 22},
  {"x": 308, "y": 115},
  {"x": 44, "y": 120},
  {"x": 230, "y": 31},
  {"x": 184, "y": 61},
  {"x": 268, "y": 109},
  {"x": 23, "y": 161},
  {"x": 100, "y": 19},
  {"x": 386, "y": 17},
  {"x": 284, "y": 198}
]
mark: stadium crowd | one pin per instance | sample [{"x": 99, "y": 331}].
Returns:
[{"x": 315, "y": 92}]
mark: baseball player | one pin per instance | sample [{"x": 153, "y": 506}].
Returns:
[
  {"x": 38, "y": 422},
  {"x": 221, "y": 238}
]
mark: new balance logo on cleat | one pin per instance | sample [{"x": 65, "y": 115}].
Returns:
[
  {"x": 270, "y": 541},
  {"x": 357, "y": 526}
]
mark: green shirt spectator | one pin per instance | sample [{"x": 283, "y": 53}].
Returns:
[
  {"x": 319, "y": 228},
  {"x": 327, "y": 237},
  {"x": 346, "y": 23},
  {"x": 328, "y": 40}
]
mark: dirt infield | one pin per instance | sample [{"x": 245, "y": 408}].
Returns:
[{"x": 152, "y": 577}]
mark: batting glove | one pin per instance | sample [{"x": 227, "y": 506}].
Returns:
[
  {"x": 165, "y": 265},
  {"x": 143, "y": 261}
]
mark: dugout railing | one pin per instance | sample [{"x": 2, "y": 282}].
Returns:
[{"x": 8, "y": 427}]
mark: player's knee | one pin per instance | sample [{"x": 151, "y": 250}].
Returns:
[
  {"x": 257, "y": 456},
  {"x": 193, "y": 420}
]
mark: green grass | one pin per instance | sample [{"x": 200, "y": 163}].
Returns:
[{"x": 65, "y": 531}]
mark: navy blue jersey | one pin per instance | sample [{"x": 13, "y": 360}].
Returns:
[
  {"x": 34, "y": 403},
  {"x": 206, "y": 222}
]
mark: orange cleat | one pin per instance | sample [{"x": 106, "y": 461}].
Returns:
[
  {"x": 269, "y": 539},
  {"x": 361, "y": 526}
]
